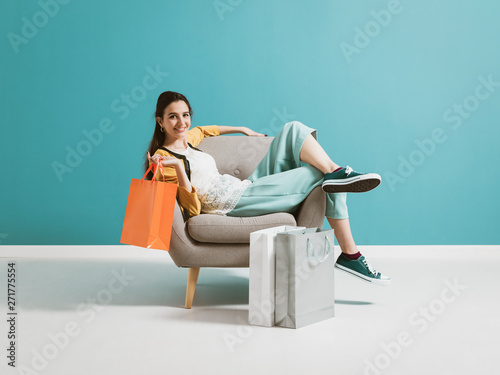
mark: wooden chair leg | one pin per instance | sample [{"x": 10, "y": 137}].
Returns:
[{"x": 193, "y": 273}]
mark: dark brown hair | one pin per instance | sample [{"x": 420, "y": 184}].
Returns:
[{"x": 164, "y": 100}]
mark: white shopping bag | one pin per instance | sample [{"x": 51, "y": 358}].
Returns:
[
  {"x": 262, "y": 275},
  {"x": 304, "y": 277}
]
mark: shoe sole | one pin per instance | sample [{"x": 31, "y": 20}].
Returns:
[
  {"x": 363, "y": 277},
  {"x": 358, "y": 184}
]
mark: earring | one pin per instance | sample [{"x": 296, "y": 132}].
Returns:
[{"x": 161, "y": 129}]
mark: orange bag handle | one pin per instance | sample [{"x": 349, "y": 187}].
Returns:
[{"x": 155, "y": 169}]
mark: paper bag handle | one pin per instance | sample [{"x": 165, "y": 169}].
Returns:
[
  {"x": 327, "y": 250},
  {"x": 155, "y": 169}
]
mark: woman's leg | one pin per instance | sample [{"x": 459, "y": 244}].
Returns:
[
  {"x": 337, "y": 179},
  {"x": 284, "y": 151},
  {"x": 279, "y": 192},
  {"x": 281, "y": 183},
  {"x": 343, "y": 235},
  {"x": 351, "y": 261},
  {"x": 282, "y": 180},
  {"x": 313, "y": 154}
]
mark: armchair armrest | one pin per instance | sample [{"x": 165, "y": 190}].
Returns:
[
  {"x": 311, "y": 213},
  {"x": 180, "y": 242}
]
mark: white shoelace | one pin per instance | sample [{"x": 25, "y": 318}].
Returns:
[
  {"x": 348, "y": 170},
  {"x": 370, "y": 267}
]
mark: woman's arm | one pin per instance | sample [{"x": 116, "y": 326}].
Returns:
[
  {"x": 174, "y": 173},
  {"x": 239, "y": 129},
  {"x": 170, "y": 161},
  {"x": 181, "y": 174}
]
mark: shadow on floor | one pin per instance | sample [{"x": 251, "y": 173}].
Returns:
[
  {"x": 358, "y": 303},
  {"x": 66, "y": 284},
  {"x": 69, "y": 284}
]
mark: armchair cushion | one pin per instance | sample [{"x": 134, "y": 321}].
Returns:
[{"x": 228, "y": 229}]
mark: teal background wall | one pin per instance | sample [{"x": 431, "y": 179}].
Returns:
[{"x": 409, "y": 89}]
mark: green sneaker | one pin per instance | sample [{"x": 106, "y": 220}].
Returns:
[
  {"x": 361, "y": 269},
  {"x": 348, "y": 181}
]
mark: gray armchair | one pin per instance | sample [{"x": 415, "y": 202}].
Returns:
[{"x": 224, "y": 241}]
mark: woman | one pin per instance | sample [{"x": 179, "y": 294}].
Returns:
[{"x": 294, "y": 165}]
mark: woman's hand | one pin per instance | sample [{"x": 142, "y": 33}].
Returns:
[
  {"x": 170, "y": 161},
  {"x": 238, "y": 129},
  {"x": 154, "y": 159},
  {"x": 166, "y": 161},
  {"x": 251, "y": 133}
]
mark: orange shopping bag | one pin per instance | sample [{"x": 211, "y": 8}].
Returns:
[{"x": 149, "y": 213}]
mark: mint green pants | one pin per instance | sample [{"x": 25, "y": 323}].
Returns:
[{"x": 281, "y": 181}]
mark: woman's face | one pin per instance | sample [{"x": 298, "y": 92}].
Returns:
[{"x": 176, "y": 120}]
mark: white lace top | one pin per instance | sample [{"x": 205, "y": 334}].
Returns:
[{"x": 217, "y": 193}]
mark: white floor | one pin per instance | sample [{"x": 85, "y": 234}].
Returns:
[{"x": 119, "y": 310}]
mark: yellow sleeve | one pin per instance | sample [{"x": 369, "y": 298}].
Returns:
[
  {"x": 196, "y": 135},
  {"x": 187, "y": 200}
]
